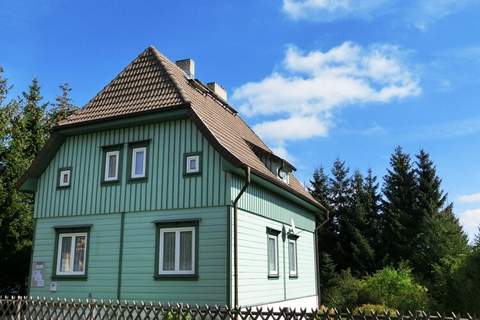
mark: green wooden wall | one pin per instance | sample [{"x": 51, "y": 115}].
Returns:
[
  {"x": 139, "y": 258},
  {"x": 166, "y": 187},
  {"x": 259, "y": 209},
  {"x": 102, "y": 257},
  {"x": 266, "y": 203}
]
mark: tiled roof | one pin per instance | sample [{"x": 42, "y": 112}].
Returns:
[{"x": 152, "y": 82}]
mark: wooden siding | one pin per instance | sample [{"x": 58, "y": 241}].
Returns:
[
  {"x": 102, "y": 257},
  {"x": 139, "y": 255},
  {"x": 254, "y": 285},
  {"x": 166, "y": 187},
  {"x": 139, "y": 258},
  {"x": 261, "y": 201}
]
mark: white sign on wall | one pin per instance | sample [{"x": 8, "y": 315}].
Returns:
[{"x": 38, "y": 270}]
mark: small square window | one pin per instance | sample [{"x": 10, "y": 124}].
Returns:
[
  {"x": 192, "y": 163},
  {"x": 64, "y": 177}
]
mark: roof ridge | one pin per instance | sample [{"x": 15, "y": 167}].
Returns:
[{"x": 164, "y": 61}]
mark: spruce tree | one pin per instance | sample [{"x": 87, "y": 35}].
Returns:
[
  {"x": 63, "y": 106},
  {"x": 339, "y": 198},
  {"x": 373, "y": 228},
  {"x": 438, "y": 232},
  {"x": 34, "y": 119},
  {"x": 399, "y": 221},
  {"x": 15, "y": 207}
]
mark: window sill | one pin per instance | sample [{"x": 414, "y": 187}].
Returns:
[
  {"x": 70, "y": 277},
  {"x": 271, "y": 276},
  {"x": 192, "y": 174},
  {"x": 293, "y": 276},
  {"x": 191, "y": 277},
  {"x": 110, "y": 182},
  {"x": 137, "y": 180}
]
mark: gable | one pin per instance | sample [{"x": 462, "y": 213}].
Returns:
[{"x": 165, "y": 188}]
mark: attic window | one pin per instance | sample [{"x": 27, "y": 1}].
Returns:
[
  {"x": 64, "y": 177},
  {"x": 283, "y": 175}
]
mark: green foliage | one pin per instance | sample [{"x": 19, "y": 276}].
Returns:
[
  {"x": 24, "y": 128},
  {"x": 399, "y": 221},
  {"x": 395, "y": 289},
  {"x": 375, "y": 309},
  {"x": 63, "y": 106},
  {"x": 344, "y": 291}
]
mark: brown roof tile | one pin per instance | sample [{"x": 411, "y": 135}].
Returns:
[{"x": 152, "y": 82}]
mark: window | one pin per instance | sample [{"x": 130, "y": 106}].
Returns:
[
  {"x": 192, "y": 163},
  {"x": 292, "y": 256},
  {"x": 71, "y": 252},
  {"x": 272, "y": 252},
  {"x": 64, "y": 177},
  {"x": 283, "y": 175},
  {"x": 138, "y": 161},
  {"x": 112, "y": 163},
  {"x": 177, "y": 249}
]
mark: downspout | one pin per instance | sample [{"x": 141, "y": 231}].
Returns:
[
  {"x": 317, "y": 230},
  {"x": 235, "y": 234}
]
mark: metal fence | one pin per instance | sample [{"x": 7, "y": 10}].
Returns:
[{"x": 20, "y": 308}]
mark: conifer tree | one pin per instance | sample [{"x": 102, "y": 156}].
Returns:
[
  {"x": 373, "y": 228},
  {"x": 438, "y": 232},
  {"x": 34, "y": 119},
  {"x": 63, "y": 106},
  {"x": 399, "y": 221},
  {"x": 15, "y": 207}
]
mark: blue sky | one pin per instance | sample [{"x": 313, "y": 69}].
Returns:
[{"x": 318, "y": 79}]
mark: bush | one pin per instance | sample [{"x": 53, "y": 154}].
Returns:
[
  {"x": 344, "y": 291},
  {"x": 394, "y": 289},
  {"x": 375, "y": 308}
]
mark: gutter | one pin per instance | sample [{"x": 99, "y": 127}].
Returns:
[
  {"x": 317, "y": 230},
  {"x": 235, "y": 234}
]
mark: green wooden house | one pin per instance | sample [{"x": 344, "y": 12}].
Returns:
[{"x": 158, "y": 190}]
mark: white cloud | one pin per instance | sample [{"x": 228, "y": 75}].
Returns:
[
  {"x": 425, "y": 12},
  {"x": 470, "y": 220},
  {"x": 418, "y": 13},
  {"x": 298, "y": 102},
  {"x": 469, "y": 198},
  {"x": 327, "y": 10},
  {"x": 292, "y": 128}
]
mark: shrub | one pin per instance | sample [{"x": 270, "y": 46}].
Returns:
[
  {"x": 344, "y": 291},
  {"x": 394, "y": 289},
  {"x": 375, "y": 308}
]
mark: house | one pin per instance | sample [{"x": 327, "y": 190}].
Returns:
[{"x": 158, "y": 190}]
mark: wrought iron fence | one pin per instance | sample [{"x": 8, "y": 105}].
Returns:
[{"x": 20, "y": 308}]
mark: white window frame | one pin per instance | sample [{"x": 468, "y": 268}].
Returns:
[
  {"x": 275, "y": 272},
  {"x": 177, "y": 270},
  {"x": 66, "y": 172},
  {"x": 74, "y": 236},
  {"x": 187, "y": 163},
  {"x": 293, "y": 273},
  {"x": 134, "y": 162},
  {"x": 107, "y": 165}
]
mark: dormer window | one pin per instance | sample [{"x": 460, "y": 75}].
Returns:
[{"x": 283, "y": 175}]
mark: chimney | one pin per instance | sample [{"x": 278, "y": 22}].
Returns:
[
  {"x": 188, "y": 66},
  {"x": 218, "y": 90}
]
